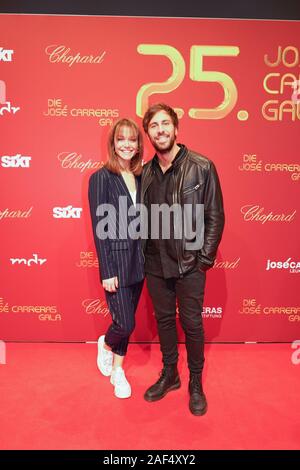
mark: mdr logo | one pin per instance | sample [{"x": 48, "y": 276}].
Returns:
[{"x": 2, "y": 352}]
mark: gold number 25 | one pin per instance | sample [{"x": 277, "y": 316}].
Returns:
[{"x": 196, "y": 73}]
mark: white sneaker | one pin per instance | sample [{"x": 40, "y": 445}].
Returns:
[
  {"x": 104, "y": 358},
  {"x": 122, "y": 387}
]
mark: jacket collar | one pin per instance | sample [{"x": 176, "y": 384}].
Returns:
[{"x": 179, "y": 157}]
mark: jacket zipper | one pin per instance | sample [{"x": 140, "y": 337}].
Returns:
[
  {"x": 190, "y": 190},
  {"x": 175, "y": 241},
  {"x": 142, "y": 198}
]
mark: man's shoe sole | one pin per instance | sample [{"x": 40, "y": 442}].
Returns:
[
  {"x": 173, "y": 387},
  {"x": 198, "y": 413}
]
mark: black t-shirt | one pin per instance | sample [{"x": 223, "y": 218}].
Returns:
[{"x": 161, "y": 255}]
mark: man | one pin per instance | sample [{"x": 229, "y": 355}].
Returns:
[{"x": 175, "y": 269}]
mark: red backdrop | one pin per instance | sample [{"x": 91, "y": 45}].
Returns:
[{"x": 63, "y": 82}]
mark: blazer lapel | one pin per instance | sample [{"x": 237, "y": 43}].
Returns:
[
  {"x": 126, "y": 190},
  {"x": 138, "y": 189}
]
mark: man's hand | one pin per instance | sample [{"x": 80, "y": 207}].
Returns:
[{"x": 111, "y": 285}]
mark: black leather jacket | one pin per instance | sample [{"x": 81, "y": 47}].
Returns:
[{"x": 195, "y": 182}]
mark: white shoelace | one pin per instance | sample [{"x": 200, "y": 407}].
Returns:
[{"x": 107, "y": 358}]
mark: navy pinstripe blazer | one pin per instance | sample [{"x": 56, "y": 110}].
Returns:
[{"x": 117, "y": 256}]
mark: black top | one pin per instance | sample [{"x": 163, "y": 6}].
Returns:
[{"x": 161, "y": 255}]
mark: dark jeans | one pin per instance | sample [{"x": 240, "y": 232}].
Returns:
[{"x": 189, "y": 292}]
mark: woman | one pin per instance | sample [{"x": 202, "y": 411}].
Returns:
[{"x": 120, "y": 255}]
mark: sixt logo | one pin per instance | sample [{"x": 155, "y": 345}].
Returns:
[
  {"x": 16, "y": 161},
  {"x": 6, "y": 55},
  {"x": 67, "y": 212}
]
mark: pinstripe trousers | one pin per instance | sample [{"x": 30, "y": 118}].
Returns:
[{"x": 122, "y": 305}]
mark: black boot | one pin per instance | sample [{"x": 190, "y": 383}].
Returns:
[
  {"x": 168, "y": 380},
  {"x": 198, "y": 403}
]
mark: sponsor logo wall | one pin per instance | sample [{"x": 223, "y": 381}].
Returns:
[{"x": 239, "y": 105}]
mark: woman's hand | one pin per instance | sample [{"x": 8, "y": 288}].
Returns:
[{"x": 111, "y": 284}]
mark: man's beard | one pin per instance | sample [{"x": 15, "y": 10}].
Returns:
[{"x": 167, "y": 149}]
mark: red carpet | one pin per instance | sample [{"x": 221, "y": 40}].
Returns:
[{"x": 53, "y": 397}]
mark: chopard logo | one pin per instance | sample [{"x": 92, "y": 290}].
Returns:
[
  {"x": 61, "y": 53},
  {"x": 227, "y": 264},
  {"x": 95, "y": 306},
  {"x": 258, "y": 214},
  {"x": 74, "y": 160},
  {"x": 15, "y": 214}
]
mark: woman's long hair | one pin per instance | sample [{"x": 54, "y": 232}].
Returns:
[{"x": 112, "y": 163}]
